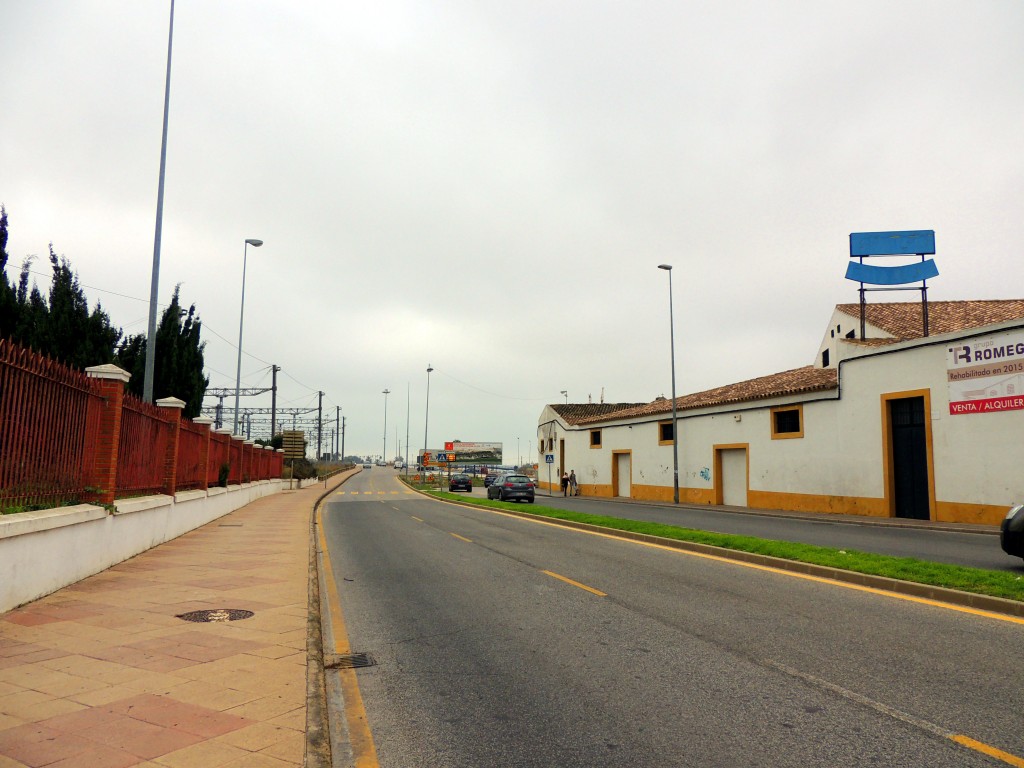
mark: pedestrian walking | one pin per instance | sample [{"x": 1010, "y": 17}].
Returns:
[
  {"x": 574, "y": 488},
  {"x": 565, "y": 484}
]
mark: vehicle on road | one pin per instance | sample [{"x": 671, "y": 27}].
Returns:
[
  {"x": 367, "y": 465},
  {"x": 512, "y": 487},
  {"x": 460, "y": 483},
  {"x": 1011, "y": 532},
  {"x": 489, "y": 479}
]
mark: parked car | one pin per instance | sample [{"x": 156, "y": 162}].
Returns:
[
  {"x": 1011, "y": 532},
  {"x": 460, "y": 483},
  {"x": 489, "y": 480},
  {"x": 511, "y": 487}
]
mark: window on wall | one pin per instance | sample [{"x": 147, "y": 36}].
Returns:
[
  {"x": 666, "y": 434},
  {"x": 787, "y": 422},
  {"x": 595, "y": 438},
  {"x": 551, "y": 444}
]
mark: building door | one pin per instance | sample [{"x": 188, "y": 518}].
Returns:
[
  {"x": 623, "y": 485},
  {"x": 909, "y": 458},
  {"x": 734, "y": 477}
]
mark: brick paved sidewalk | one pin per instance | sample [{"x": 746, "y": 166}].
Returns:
[{"x": 102, "y": 674}]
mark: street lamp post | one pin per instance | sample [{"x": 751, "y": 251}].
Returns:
[
  {"x": 675, "y": 424},
  {"x": 565, "y": 393},
  {"x": 384, "y": 455},
  {"x": 241, "y": 317},
  {"x": 426, "y": 411},
  {"x": 149, "y": 371}
]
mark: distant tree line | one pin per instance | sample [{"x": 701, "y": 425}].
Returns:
[{"x": 61, "y": 326}]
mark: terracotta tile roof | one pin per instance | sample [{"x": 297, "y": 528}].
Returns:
[
  {"x": 794, "y": 382},
  {"x": 574, "y": 413},
  {"x": 903, "y": 319}
]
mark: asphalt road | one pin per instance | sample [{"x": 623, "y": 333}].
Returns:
[
  {"x": 495, "y": 648},
  {"x": 977, "y": 550}
]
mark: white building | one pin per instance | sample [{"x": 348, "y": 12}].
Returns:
[{"x": 894, "y": 424}]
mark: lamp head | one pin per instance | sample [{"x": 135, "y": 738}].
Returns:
[
  {"x": 429, "y": 369},
  {"x": 253, "y": 242},
  {"x": 667, "y": 267}
]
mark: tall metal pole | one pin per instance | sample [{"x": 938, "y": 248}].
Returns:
[
  {"x": 426, "y": 411},
  {"x": 384, "y": 456},
  {"x": 319, "y": 425},
  {"x": 342, "y": 438},
  {"x": 406, "y": 460},
  {"x": 241, "y": 318},
  {"x": 273, "y": 400},
  {"x": 337, "y": 428},
  {"x": 147, "y": 382},
  {"x": 675, "y": 423}
]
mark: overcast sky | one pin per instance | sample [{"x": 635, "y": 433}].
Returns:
[{"x": 489, "y": 187}]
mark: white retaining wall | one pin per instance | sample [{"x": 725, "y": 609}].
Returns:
[{"x": 43, "y": 551}]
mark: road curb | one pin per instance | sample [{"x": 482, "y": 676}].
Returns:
[
  {"x": 909, "y": 588},
  {"x": 318, "y": 732}
]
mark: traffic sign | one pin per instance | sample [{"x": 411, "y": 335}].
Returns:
[
  {"x": 549, "y": 458},
  {"x": 451, "y": 457}
]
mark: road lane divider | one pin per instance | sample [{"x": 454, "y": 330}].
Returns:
[
  {"x": 567, "y": 580},
  {"x": 461, "y": 538},
  {"x": 417, "y": 519},
  {"x": 896, "y": 714},
  {"x": 858, "y": 582}
]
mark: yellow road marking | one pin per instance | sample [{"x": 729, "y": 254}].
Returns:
[
  {"x": 985, "y": 749},
  {"x": 780, "y": 571},
  {"x": 360, "y": 738},
  {"x": 366, "y": 493},
  {"x": 417, "y": 519},
  {"x": 462, "y": 538},
  {"x": 567, "y": 580}
]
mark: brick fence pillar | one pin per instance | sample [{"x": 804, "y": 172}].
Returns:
[
  {"x": 204, "y": 461},
  {"x": 102, "y": 475},
  {"x": 173, "y": 408}
]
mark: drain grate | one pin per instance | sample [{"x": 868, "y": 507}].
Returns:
[
  {"x": 349, "y": 661},
  {"x": 216, "y": 614}
]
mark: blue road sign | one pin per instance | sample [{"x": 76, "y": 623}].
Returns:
[{"x": 549, "y": 458}]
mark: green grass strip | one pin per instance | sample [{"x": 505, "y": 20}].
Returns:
[{"x": 977, "y": 580}]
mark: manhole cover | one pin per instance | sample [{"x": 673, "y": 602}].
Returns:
[
  {"x": 349, "y": 661},
  {"x": 216, "y": 614}
]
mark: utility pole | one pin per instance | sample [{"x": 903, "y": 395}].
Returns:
[
  {"x": 319, "y": 424},
  {"x": 342, "y": 438},
  {"x": 337, "y": 427},
  {"x": 384, "y": 456},
  {"x": 273, "y": 400}
]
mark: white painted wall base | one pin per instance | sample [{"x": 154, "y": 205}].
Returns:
[{"x": 43, "y": 551}]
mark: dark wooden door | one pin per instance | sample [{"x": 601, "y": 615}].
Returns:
[{"x": 909, "y": 458}]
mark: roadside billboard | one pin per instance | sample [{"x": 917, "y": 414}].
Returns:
[
  {"x": 987, "y": 375},
  {"x": 477, "y": 453},
  {"x": 461, "y": 453}
]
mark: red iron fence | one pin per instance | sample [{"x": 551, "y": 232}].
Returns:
[
  {"x": 68, "y": 437},
  {"x": 47, "y": 412},
  {"x": 144, "y": 445}
]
